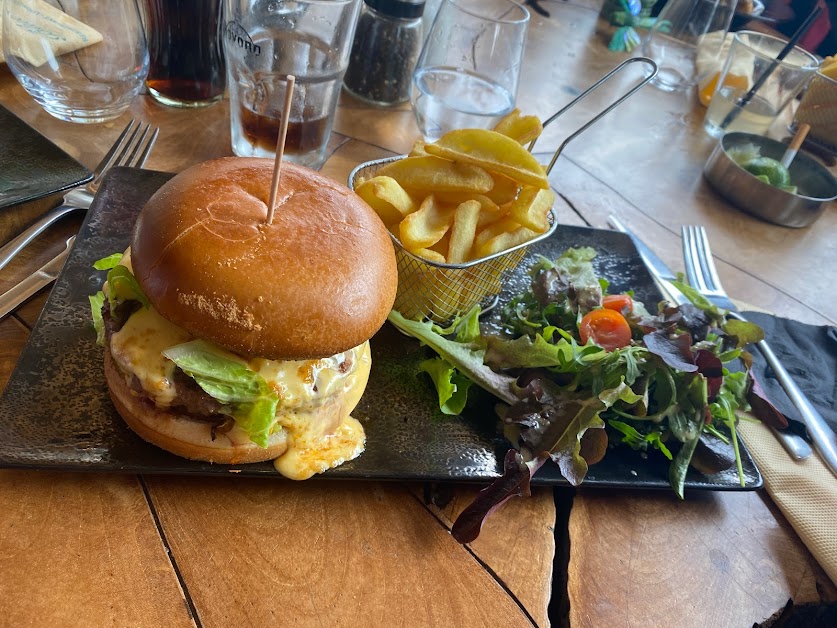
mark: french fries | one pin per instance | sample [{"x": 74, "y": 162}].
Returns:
[
  {"x": 431, "y": 174},
  {"x": 522, "y": 129},
  {"x": 387, "y": 198},
  {"x": 426, "y": 226},
  {"x": 492, "y": 151},
  {"x": 463, "y": 231},
  {"x": 471, "y": 194}
]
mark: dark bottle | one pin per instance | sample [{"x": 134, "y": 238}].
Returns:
[
  {"x": 386, "y": 46},
  {"x": 186, "y": 66}
]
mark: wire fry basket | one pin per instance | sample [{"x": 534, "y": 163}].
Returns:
[{"x": 438, "y": 292}]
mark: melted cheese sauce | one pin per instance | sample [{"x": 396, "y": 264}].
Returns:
[
  {"x": 137, "y": 348},
  {"x": 319, "y": 437},
  {"x": 300, "y": 463},
  {"x": 306, "y": 383},
  {"x": 315, "y": 445}
]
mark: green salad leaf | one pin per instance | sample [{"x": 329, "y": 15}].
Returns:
[
  {"x": 106, "y": 263},
  {"x": 467, "y": 357},
  {"x": 661, "y": 393},
  {"x": 228, "y": 379},
  {"x": 123, "y": 286},
  {"x": 97, "y": 302},
  {"x": 451, "y": 386}
]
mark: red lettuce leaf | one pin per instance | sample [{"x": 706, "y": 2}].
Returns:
[
  {"x": 553, "y": 421},
  {"x": 764, "y": 411},
  {"x": 676, "y": 352},
  {"x": 513, "y": 483},
  {"x": 711, "y": 367}
]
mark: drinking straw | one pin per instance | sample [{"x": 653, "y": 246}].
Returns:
[{"x": 733, "y": 114}]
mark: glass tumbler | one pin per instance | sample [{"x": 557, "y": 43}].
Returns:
[
  {"x": 264, "y": 42},
  {"x": 673, "y": 41},
  {"x": 469, "y": 67},
  {"x": 187, "y": 57},
  {"x": 751, "y": 55},
  {"x": 82, "y": 61}
]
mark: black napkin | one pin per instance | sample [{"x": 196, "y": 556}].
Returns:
[{"x": 809, "y": 353}]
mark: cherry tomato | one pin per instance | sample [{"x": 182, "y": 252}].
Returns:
[
  {"x": 621, "y": 303},
  {"x": 607, "y": 328}
]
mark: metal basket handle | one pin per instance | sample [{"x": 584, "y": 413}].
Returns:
[{"x": 600, "y": 115}]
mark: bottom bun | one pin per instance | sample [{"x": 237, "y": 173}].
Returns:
[{"x": 183, "y": 436}]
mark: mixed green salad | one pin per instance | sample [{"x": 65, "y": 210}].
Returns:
[{"x": 580, "y": 371}]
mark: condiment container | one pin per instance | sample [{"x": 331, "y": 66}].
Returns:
[
  {"x": 386, "y": 46},
  {"x": 816, "y": 186}
]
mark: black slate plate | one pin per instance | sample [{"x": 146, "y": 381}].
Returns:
[
  {"x": 31, "y": 166},
  {"x": 56, "y": 413}
]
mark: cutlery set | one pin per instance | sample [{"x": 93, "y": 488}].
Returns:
[{"x": 131, "y": 149}]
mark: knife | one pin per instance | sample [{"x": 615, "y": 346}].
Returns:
[
  {"x": 796, "y": 446},
  {"x": 44, "y": 276},
  {"x": 662, "y": 274}
]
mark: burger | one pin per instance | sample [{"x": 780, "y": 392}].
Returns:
[{"x": 233, "y": 339}]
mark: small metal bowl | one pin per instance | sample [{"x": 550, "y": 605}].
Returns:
[{"x": 816, "y": 186}]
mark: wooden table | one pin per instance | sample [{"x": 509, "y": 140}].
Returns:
[{"x": 124, "y": 550}]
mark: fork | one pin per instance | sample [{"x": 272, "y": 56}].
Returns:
[
  {"x": 131, "y": 149},
  {"x": 702, "y": 274}
]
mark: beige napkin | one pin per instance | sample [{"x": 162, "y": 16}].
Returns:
[
  {"x": 48, "y": 32},
  {"x": 805, "y": 491}
]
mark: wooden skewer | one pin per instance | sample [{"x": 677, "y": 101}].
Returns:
[
  {"x": 800, "y": 136},
  {"x": 280, "y": 148},
  {"x": 795, "y": 144}
]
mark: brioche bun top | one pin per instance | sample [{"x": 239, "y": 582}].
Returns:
[{"x": 319, "y": 280}]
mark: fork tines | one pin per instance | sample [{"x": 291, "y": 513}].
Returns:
[
  {"x": 700, "y": 267},
  {"x": 130, "y": 149}
]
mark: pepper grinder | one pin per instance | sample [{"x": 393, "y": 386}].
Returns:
[{"x": 386, "y": 46}]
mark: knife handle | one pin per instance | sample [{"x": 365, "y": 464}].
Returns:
[
  {"x": 796, "y": 446},
  {"x": 15, "y": 246}
]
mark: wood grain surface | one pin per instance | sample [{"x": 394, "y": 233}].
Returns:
[
  {"x": 105, "y": 550},
  {"x": 715, "y": 559},
  {"x": 342, "y": 554},
  {"x": 83, "y": 550}
]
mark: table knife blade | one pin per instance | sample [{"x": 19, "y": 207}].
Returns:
[
  {"x": 660, "y": 272},
  {"x": 44, "y": 276},
  {"x": 796, "y": 446}
]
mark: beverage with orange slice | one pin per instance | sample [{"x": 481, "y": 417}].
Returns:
[
  {"x": 754, "y": 86},
  {"x": 707, "y": 88}
]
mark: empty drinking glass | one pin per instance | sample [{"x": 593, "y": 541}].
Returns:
[
  {"x": 674, "y": 39},
  {"x": 83, "y": 61},
  {"x": 468, "y": 70}
]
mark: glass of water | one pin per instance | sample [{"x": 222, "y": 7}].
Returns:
[
  {"x": 83, "y": 61},
  {"x": 751, "y": 55},
  {"x": 469, "y": 68}
]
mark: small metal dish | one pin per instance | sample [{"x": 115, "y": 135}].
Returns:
[{"x": 816, "y": 186}]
